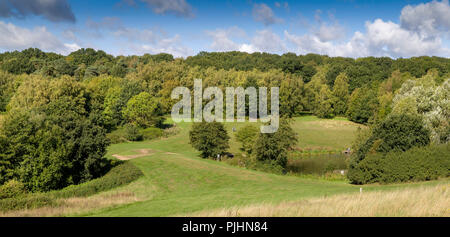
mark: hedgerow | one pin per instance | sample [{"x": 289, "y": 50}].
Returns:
[{"x": 416, "y": 164}]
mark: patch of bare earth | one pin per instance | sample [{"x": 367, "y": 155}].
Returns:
[{"x": 141, "y": 153}]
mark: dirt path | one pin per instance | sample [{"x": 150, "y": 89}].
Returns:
[{"x": 142, "y": 153}]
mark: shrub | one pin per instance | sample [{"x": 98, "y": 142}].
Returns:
[
  {"x": 151, "y": 133},
  {"x": 171, "y": 131},
  {"x": 132, "y": 132},
  {"x": 117, "y": 136},
  {"x": 416, "y": 164},
  {"x": 122, "y": 174},
  {"x": 12, "y": 188}
]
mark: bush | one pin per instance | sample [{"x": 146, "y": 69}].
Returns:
[
  {"x": 129, "y": 132},
  {"x": 12, "y": 188},
  {"x": 171, "y": 131},
  {"x": 117, "y": 136},
  {"x": 416, "y": 164},
  {"x": 152, "y": 133},
  {"x": 132, "y": 133},
  {"x": 122, "y": 174}
]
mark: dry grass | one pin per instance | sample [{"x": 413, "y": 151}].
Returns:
[
  {"x": 422, "y": 201},
  {"x": 77, "y": 205}
]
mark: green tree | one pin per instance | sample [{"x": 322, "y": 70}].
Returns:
[
  {"x": 363, "y": 104},
  {"x": 8, "y": 85},
  {"x": 113, "y": 105},
  {"x": 397, "y": 133},
  {"x": 325, "y": 104},
  {"x": 53, "y": 143},
  {"x": 312, "y": 90},
  {"x": 340, "y": 94},
  {"x": 144, "y": 111},
  {"x": 291, "y": 92},
  {"x": 211, "y": 139},
  {"x": 247, "y": 137},
  {"x": 272, "y": 148}
]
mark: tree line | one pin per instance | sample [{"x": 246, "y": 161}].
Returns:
[{"x": 59, "y": 109}]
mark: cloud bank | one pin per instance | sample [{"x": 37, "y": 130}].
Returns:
[{"x": 53, "y": 10}]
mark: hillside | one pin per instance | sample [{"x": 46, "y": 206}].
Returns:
[{"x": 177, "y": 182}]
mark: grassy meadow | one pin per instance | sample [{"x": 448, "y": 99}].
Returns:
[
  {"x": 433, "y": 202},
  {"x": 176, "y": 182}
]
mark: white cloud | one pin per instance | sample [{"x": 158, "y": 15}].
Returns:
[
  {"x": 17, "y": 38},
  {"x": 72, "y": 47},
  {"x": 267, "y": 41},
  {"x": 381, "y": 39},
  {"x": 329, "y": 32},
  {"x": 430, "y": 19},
  {"x": 388, "y": 38},
  {"x": 223, "y": 38},
  {"x": 177, "y": 7},
  {"x": 309, "y": 44},
  {"x": 262, "y": 41},
  {"x": 263, "y": 13},
  {"x": 167, "y": 45},
  {"x": 326, "y": 31},
  {"x": 133, "y": 34},
  {"x": 142, "y": 41}
]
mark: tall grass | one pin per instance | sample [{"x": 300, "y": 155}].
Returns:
[{"x": 422, "y": 201}]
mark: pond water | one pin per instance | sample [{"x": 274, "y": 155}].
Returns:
[{"x": 318, "y": 164}]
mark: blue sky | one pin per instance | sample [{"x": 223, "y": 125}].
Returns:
[{"x": 349, "y": 28}]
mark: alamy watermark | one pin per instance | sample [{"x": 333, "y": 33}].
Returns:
[{"x": 257, "y": 105}]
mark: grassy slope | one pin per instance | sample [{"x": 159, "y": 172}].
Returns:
[
  {"x": 434, "y": 201},
  {"x": 334, "y": 134},
  {"x": 176, "y": 182}
]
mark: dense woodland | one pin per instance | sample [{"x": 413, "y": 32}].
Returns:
[{"x": 61, "y": 112}]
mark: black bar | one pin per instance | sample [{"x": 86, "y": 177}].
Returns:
[{"x": 229, "y": 226}]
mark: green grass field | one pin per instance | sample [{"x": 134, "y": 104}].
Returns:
[{"x": 177, "y": 182}]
